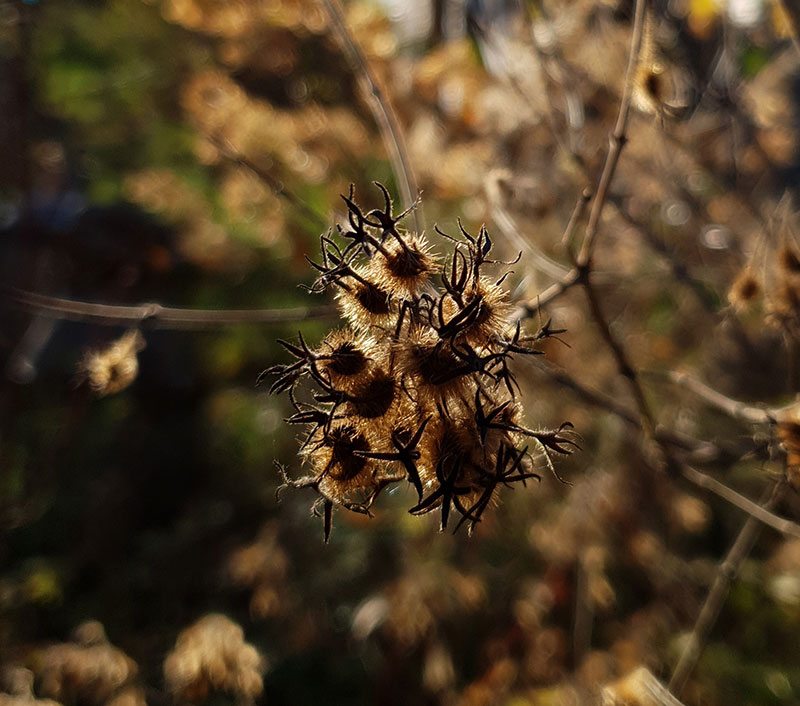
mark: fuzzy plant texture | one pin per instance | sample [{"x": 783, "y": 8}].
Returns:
[{"x": 417, "y": 387}]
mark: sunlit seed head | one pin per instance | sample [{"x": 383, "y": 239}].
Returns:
[
  {"x": 375, "y": 396},
  {"x": 405, "y": 266},
  {"x": 431, "y": 366},
  {"x": 343, "y": 358},
  {"x": 399, "y": 396},
  {"x": 114, "y": 368},
  {"x": 364, "y": 304},
  {"x": 343, "y": 441},
  {"x": 493, "y": 320}
]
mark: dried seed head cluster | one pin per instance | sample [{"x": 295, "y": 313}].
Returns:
[
  {"x": 114, "y": 368},
  {"x": 88, "y": 670},
  {"x": 210, "y": 656},
  {"x": 418, "y": 386},
  {"x": 18, "y": 683},
  {"x": 776, "y": 283}
]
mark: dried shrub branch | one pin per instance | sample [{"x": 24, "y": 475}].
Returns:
[
  {"x": 155, "y": 315},
  {"x": 727, "y": 572},
  {"x": 382, "y": 109}
]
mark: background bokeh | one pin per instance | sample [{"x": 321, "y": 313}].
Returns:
[{"x": 191, "y": 152}]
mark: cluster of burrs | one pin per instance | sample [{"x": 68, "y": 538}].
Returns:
[{"x": 417, "y": 387}]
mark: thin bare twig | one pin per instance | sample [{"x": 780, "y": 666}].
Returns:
[
  {"x": 574, "y": 219},
  {"x": 573, "y": 276},
  {"x": 753, "y": 509},
  {"x": 580, "y": 272},
  {"x": 698, "y": 451},
  {"x": 382, "y": 111},
  {"x": 510, "y": 229},
  {"x": 734, "y": 408},
  {"x": 624, "y": 365},
  {"x": 618, "y": 136},
  {"x": 155, "y": 315},
  {"x": 528, "y": 310},
  {"x": 728, "y": 570}
]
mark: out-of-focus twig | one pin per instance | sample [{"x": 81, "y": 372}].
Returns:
[
  {"x": 624, "y": 365},
  {"x": 728, "y": 570},
  {"x": 382, "y": 111},
  {"x": 527, "y": 310},
  {"x": 734, "y": 408},
  {"x": 679, "y": 270},
  {"x": 697, "y": 451},
  {"x": 618, "y": 136},
  {"x": 641, "y": 688},
  {"x": 155, "y": 315},
  {"x": 580, "y": 270},
  {"x": 753, "y": 509},
  {"x": 509, "y": 228}
]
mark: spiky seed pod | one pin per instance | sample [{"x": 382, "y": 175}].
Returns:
[
  {"x": 404, "y": 265},
  {"x": 431, "y": 367},
  {"x": 375, "y": 395},
  {"x": 341, "y": 474},
  {"x": 494, "y": 313},
  {"x": 418, "y": 387},
  {"x": 335, "y": 456},
  {"x": 364, "y": 303},
  {"x": 343, "y": 358}
]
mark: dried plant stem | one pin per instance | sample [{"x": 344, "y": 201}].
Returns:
[
  {"x": 734, "y": 408},
  {"x": 512, "y": 232},
  {"x": 573, "y": 276},
  {"x": 583, "y": 616},
  {"x": 699, "y": 451},
  {"x": 155, "y": 315},
  {"x": 617, "y": 138},
  {"x": 624, "y": 366},
  {"x": 753, "y": 509},
  {"x": 728, "y": 570},
  {"x": 528, "y": 310},
  {"x": 381, "y": 110}
]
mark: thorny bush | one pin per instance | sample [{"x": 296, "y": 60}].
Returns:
[{"x": 417, "y": 387}]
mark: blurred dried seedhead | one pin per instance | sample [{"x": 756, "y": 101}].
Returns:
[
  {"x": 88, "y": 670},
  {"x": 212, "y": 656},
  {"x": 418, "y": 386},
  {"x": 114, "y": 368},
  {"x": 745, "y": 289},
  {"x": 262, "y": 567},
  {"x": 783, "y": 305},
  {"x": 769, "y": 282},
  {"x": 789, "y": 437},
  {"x": 409, "y": 610},
  {"x": 18, "y": 683}
]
